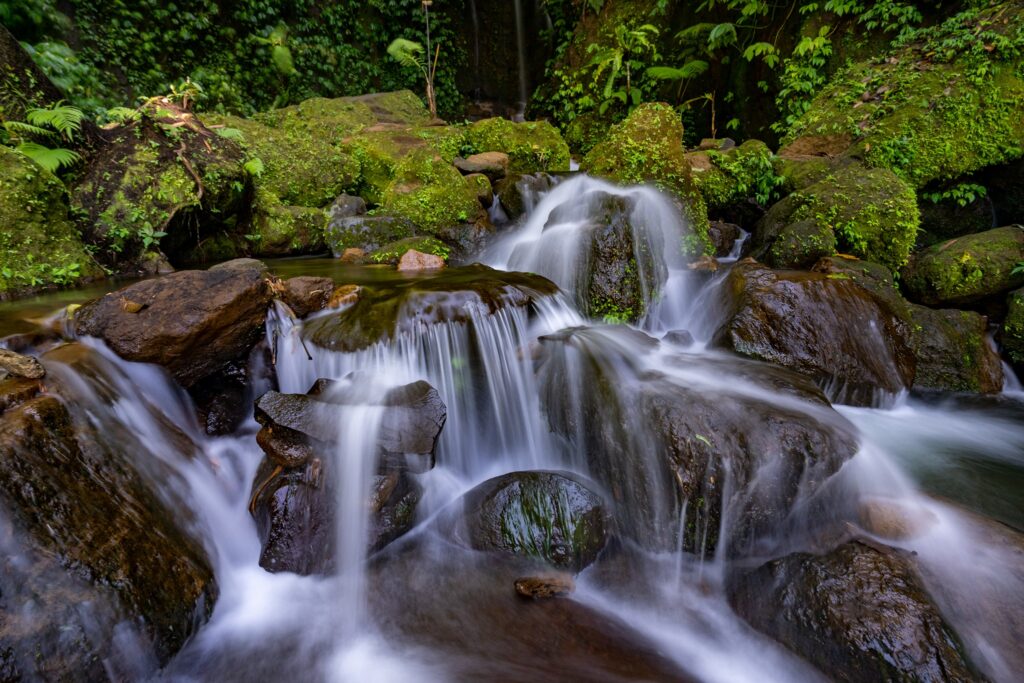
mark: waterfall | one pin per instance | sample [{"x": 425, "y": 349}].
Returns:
[
  {"x": 521, "y": 52},
  {"x": 477, "y": 84}
]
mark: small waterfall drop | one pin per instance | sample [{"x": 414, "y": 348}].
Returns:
[{"x": 521, "y": 54}]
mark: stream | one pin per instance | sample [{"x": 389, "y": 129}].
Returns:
[{"x": 549, "y": 387}]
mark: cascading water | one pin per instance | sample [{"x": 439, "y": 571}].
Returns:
[
  {"x": 521, "y": 60},
  {"x": 707, "y": 459}
]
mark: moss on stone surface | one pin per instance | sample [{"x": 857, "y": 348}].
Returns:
[
  {"x": 392, "y": 252},
  {"x": 968, "y": 269},
  {"x": 1012, "y": 333},
  {"x": 945, "y": 104},
  {"x": 38, "y": 243},
  {"x": 648, "y": 148},
  {"x": 532, "y": 146},
  {"x": 281, "y": 229},
  {"x": 431, "y": 193},
  {"x": 743, "y": 172}
]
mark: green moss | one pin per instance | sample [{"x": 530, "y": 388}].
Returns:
[
  {"x": 648, "y": 147},
  {"x": 531, "y": 147},
  {"x": 945, "y": 104},
  {"x": 431, "y": 193},
  {"x": 38, "y": 244},
  {"x": 968, "y": 269},
  {"x": 744, "y": 172},
  {"x": 392, "y": 252},
  {"x": 872, "y": 213},
  {"x": 1012, "y": 336},
  {"x": 280, "y": 229},
  {"x": 801, "y": 244}
]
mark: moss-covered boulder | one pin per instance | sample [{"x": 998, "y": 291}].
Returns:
[
  {"x": 967, "y": 270},
  {"x": 1012, "y": 333},
  {"x": 368, "y": 233},
  {"x": 165, "y": 173},
  {"x": 648, "y": 148},
  {"x": 431, "y": 193},
  {"x": 944, "y": 104},
  {"x": 552, "y": 516},
  {"x": 870, "y": 213},
  {"x": 38, "y": 244},
  {"x": 736, "y": 175},
  {"x": 392, "y": 252},
  {"x": 281, "y": 230},
  {"x": 531, "y": 146}
]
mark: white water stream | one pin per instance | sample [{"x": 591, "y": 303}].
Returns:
[{"x": 338, "y": 628}]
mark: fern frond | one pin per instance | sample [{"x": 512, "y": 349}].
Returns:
[
  {"x": 64, "y": 119},
  {"x": 50, "y": 159},
  {"x": 407, "y": 52},
  {"x": 20, "y": 128}
]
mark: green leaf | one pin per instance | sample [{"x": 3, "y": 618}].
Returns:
[
  {"x": 254, "y": 167},
  {"x": 408, "y": 53},
  {"x": 231, "y": 134},
  {"x": 50, "y": 159},
  {"x": 282, "y": 57}
]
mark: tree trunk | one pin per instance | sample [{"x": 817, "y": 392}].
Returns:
[{"x": 22, "y": 84}]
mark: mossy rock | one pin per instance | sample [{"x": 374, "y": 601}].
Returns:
[
  {"x": 368, "y": 233},
  {"x": 871, "y": 213},
  {"x": 531, "y": 146},
  {"x": 939, "y": 107},
  {"x": 391, "y": 253},
  {"x": 281, "y": 230},
  {"x": 648, "y": 148},
  {"x": 431, "y": 193},
  {"x": 967, "y": 270},
  {"x": 148, "y": 177},
  {"x": 725, "y": 178},
  {"x": 38, "y": 243},
  {"x": 1012, "y": 333}
]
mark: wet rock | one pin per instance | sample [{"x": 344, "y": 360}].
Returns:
[
  {"x": 824, "y": 326},
  {"x": 747, "y": 451},
  {"x": 494, "y": 165},
  {"x": 680, "y": 337},
  {"x": 967, "y": 270},
  {"x": 414, "y": 261},
  {"x": 945, "y": 219},
  {"x": 723, "y": 237},
  {"x": 191, "y": 322},
  {"x": 950, "y": 346},
  {"x": 859, "y": 613},
  {"x": 222, "y": 399},
  {"x": 552, "y": 516},
  {"x": 1012, "y": 333},
  {"x": 389, "y": 309},
  {"x": 893, "y": 519},
  {"x": 393, "y": 504},
  {"x": 343, "y": 295},
  {"x": 16, "y": 390},
  {"x": 545, "y": 586},
  {"x": 20, "y": 366},
  {"x": 518, "y": 193},
  {"x": 352, "y": 255},
  {"x": 306, "y": 294},
  {"x": 346, "y": 206},
  {"x": 79, "y": 494},
  {"x": 366, "y": 232}
]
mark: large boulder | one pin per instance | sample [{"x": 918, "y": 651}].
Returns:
[
  {"x": 553, "y": 516},
  {"x": 86, "y": 491},
  {"x": 38, "y": 244},
  {"x": 295, "y": 490},
  {"x": 518, "y": 193},
  {"x": 393, "y": 308},
  {"x": 531, "y": 146},
  {"x": 724, "y": 461},
  {"x": 191, "y": 322},
  {"x": 728, "y": 179},
  {"x": 951, "y": 346},
  {"x": 869, "y": 213},
  {"x": 431, "y": 194},
  {"x": 826, "y": 327},
  {"x": 967, "y": 270},
  {"x": 915, "y": 112},
  {"x": 368, "y": 233},
  {"x": 859, "y": 613},
  {"x": 648, "y": 147}
]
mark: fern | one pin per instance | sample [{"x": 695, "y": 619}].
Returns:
[
  {"x": 254, "y": 167},
  {"x": 408, "y": 53},
  {"x": 231, "y": 134},
  {"x": 64, "y": 119},
  {"x": 20, "y": 128},
  {"x": 50, "y": 159}
]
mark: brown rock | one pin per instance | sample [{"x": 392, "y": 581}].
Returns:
[
  {"x": 16, "y": 390},
  {"x": 484, "y": 189},
  {"x": 545, "y": 586},
  {"x": 192, "y": 322},
  {"x": 894, "y": 520},
  {"x": 413, "y": 260},
  {"x": 352, "y": 255},
  {"x": 307, "y": 294},
  {"x": 494, "y": 165},
  {"x": 344, "y": 295},
  {"x": 21, "y": 366}
]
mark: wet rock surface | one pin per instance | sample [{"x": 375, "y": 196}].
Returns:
[
  {"x": 858, "y": 612},
  {"x": 388, "y": 309},
  {"x": 294, "y": 494},
  {"x": 552, "y": 516},
  {"x": 306, "y": 294},
  {"x": 192, "y": 322},
  {"x": 824, "y": 326},
  {"x": 20, "y": 366}
]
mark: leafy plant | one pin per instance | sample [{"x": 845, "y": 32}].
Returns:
[
  {"x": 623, "y": 58},
  {"x": 411, "y": 54},
  {"x": 59, "y": 122}
]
